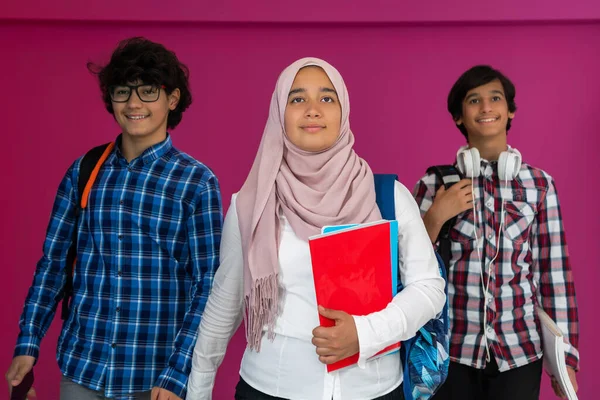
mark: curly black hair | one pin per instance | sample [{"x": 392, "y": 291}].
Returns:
[
  {"x": 474, "y": 77},
  {"x": 140, "y": 59}
]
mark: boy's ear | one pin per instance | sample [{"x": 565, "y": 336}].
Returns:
[
  {"x": 458, "y": 121},
  {"x": 174, "y": 99}
]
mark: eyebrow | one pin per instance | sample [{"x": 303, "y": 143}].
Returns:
[
  {"x": 500, "y": 92},
  {"x": 302, "y": 90}
]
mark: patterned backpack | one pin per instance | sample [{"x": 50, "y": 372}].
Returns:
[{"x": 425, "y": 357}]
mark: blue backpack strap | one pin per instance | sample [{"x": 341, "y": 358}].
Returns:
[
  {"x": 384, "y": 193},
  {"x": 385, "y": 186}
]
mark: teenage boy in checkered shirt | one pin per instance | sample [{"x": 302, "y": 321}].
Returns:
[
  {"x": 147, "y": 248},
  {"x": 508, "y": 251}
]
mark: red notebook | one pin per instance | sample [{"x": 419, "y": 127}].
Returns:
[{"x": 352, "y": 270}]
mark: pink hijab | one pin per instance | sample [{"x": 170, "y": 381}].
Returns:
[{"x": 313, "y": 189}]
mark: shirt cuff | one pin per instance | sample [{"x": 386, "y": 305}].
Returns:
[
  {"x": 366, "y": 338},
  {"x": 27, "y": 346},
  {"x": 572, "y": 357},
  {"x": 174, "y": 381}
]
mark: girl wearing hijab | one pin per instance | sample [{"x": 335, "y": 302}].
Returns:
[{"x": 306, "y": 175}]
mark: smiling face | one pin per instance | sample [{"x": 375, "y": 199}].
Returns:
[
  {"x": 142, "y": 119},
  {"x": 313, "y": 113},
  {"x": 485, "y": 111}
]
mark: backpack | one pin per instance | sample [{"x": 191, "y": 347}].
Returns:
[
  {"x": 88, "y": 171},
  {"x": 425, "y": 357}
]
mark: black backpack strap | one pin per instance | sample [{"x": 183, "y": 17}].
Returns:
[
  {"x": 86, "y": 167},
  {"x": 448, "y": 175}
]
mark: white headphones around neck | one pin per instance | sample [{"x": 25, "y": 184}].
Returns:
[{"x": 468, "y": 161}]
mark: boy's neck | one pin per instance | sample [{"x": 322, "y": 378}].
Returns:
[
  {"x": 489, "y": 147},
  {"x": 132, "y": 146}
]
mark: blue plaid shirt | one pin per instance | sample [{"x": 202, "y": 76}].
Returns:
[{"x": 148, "y": 248}]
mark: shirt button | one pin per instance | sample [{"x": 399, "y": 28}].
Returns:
[
  {"x": 121, "y": 202},
  {"x": 490, "y": 235},
  {"x": 113, "y": 345},
  {"x": 118, "y": 309},
  {"x": 120, "y": 273},
  {"x": 120, "y": 237},
  {"x": 489, "y": 204},
  {"x": 490, "y": 330}
]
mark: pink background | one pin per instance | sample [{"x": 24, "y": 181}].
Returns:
[{"x": 399, "y": 63}]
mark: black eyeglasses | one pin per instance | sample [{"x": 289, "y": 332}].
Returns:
[{"x": 146, "y": 93}]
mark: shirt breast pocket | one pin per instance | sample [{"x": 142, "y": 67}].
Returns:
[
  {"x": 518, "y": 218},
  {"x": 463, "y": 230}
]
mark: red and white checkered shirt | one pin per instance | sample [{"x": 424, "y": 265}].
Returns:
[{"x": 532, "y": 267}]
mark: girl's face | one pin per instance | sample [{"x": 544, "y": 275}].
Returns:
[{"x": 313, "y": 113}]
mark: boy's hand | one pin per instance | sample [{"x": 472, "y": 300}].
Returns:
[
  {"x": 447, "y": 204},
  {"x": 556, "y": 387},
  {"x": 163, "y": 394},
  {"x": 451, "y": 202},
  {"x": 19, "y": 367}
]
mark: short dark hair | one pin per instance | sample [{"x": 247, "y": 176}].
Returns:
[
  {"x": 477, "y": 76},
  {"x": 138, "y": 58}
]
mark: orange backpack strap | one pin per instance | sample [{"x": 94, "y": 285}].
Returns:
[
  {"x": 88, "y": 172},
  {"x": 90, "y": 177}
]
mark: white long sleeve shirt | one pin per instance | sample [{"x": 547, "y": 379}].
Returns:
[{"x": 288, "y": 366}]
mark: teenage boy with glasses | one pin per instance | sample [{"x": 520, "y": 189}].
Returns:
[{"x": 147, "y": 246}]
